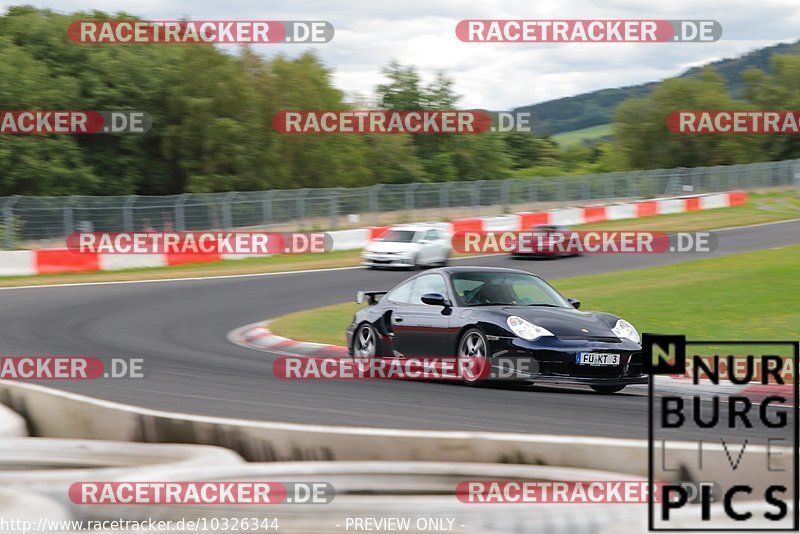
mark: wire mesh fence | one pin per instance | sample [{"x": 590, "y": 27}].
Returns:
[{"x": 25, "y": 220}]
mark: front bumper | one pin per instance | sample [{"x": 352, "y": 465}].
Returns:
[
  {"x": 554, "y": 360},
  {"x": 386, "y": 260}
]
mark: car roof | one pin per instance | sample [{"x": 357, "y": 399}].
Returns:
[{"x": 413, "y": 227}]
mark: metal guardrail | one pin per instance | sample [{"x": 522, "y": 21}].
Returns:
[{"x": 41, "y": 219}]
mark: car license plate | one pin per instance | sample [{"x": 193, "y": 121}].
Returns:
[{"x": 596, "y": 358}]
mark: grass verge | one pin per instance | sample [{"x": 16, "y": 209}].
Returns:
[
  {"x": 763, "y": 207},
  {"x": 741, "y": 296}
]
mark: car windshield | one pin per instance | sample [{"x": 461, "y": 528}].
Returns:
[
  {"x": 399, "y": 236},
  {"x": 505, "y": 289}
]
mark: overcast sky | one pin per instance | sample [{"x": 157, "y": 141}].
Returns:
[{"x": 370, "y": 33}]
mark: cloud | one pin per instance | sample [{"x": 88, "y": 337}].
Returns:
[{"x": 492, "y": 76}]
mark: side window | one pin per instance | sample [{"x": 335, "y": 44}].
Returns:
[
  {"x": 464, "y": 284},
  {"x": 428, "y": 283},
  {"x": 401, "y": 293},
  {"x": 432, "y": 235}
]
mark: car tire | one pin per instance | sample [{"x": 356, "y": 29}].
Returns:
[
  {"x": 473, "y": 341},
  {"x": 364, "y": 350},
  {"x": 607, "y": 390}
]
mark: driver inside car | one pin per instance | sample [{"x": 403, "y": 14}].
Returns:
[{"x": 495, "y": 294}]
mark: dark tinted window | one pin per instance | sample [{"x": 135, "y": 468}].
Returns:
[
  {"x": 399, "y": 236},
  {"x": 511, "y": 289}
]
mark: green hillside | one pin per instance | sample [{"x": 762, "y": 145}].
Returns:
[{"x": 597, "y": 108}]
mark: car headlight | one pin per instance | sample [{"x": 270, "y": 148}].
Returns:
[
  {"x": 525, "y": 329},
  {"x": 624, "y": 329}
]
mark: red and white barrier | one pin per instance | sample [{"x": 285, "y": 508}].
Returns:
[
  {"x": 629, "y": 210},
  {"x": 16, "y": 263},
  {"x": 27, "y": 262}
]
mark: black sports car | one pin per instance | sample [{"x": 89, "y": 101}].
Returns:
[{"x": 515, "y": 321}]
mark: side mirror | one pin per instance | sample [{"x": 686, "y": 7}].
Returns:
[
  {"x": 575, "y": 303},
  {"x": 435, "y": 299}
]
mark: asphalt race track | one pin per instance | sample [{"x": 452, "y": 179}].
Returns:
[{"x": 179, "y": 328}]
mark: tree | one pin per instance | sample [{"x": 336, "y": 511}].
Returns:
[{"x": 640, "y": 126}]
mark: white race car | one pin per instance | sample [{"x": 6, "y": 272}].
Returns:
[{"x": 408, "y": 246}]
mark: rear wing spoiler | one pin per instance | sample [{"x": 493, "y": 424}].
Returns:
[{"x": 370, "y": 297}]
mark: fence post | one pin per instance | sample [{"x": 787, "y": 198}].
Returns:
[
  {"x": 227, "y": 217},
  {"x": 505, "y": 195},
  {"x": 69, "y": 223},
  {"x": 180, "y": 216},
  {"x": 300, "y": 205},
  {"x": 127, "y": 213},
  {"x": 334, "y": 206},
  {"x": 796, "y": 171},
  {"x": 8, "y": 221},
  {"x": 632, "y": 189},
  {"x": 476, "y": 196},
  {"x": 444, "y": 199},
  {"x": 410, "y": 190},
  {"x": 608, "y": 186},
  {"x": 374, "y": 207},
  {"x": 266, "y": 208}
]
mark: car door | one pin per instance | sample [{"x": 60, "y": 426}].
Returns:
[
  {"x": 425, "y": 252},
  {"x": 430, "y": 246},
  {"x": 441, "y": 243},
  {"x": 427, "y": 248},
  {"x": 421, "y": 329}
]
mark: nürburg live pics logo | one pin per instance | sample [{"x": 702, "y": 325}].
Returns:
[{"x": 723, "y": 435}]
